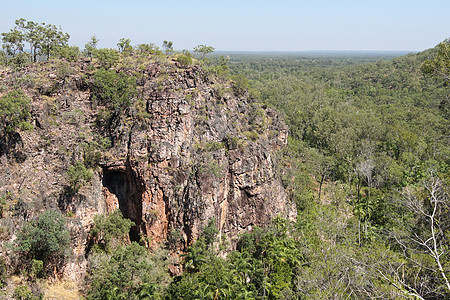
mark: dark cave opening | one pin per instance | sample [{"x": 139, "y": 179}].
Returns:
[{"x": 125, "y": 185}]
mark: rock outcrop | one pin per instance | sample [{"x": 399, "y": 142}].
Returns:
[{"x": 190, "y": 148}]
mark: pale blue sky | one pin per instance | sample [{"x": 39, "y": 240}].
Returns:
[{"x": 247, "y": 25}]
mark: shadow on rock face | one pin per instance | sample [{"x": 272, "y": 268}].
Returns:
[{"x": 125, "y": 185}]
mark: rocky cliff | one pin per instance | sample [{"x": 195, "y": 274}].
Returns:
[{"x": 188, "y": 147}]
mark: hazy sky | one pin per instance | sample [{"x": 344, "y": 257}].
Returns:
[{"x": 286, "y": 25}]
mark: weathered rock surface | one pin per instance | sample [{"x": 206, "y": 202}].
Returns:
[{"x": 198, "y": 149}]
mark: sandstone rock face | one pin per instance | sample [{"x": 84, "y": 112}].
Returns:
[{"x": 199, "y": 149}]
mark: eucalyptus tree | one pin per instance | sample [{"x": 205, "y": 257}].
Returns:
[
  {"x": 52, "y": 38},
  {"x": 168, "y": 47},
  {"x": 203, "y": 50},
  {"x": 91, "y": 47},
  {"x": 33, "y": 34},
  {"x": 13, "y": 42}
]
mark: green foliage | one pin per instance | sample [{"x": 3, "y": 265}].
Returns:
[
  {"x": 52, "y": 38},
  {"x": 439, "y": 65},
  {"x": 110, "y": 231},
  {"x": 78, "y": 175},
  {"x": 114, "y": 90},
  {"x": 12, "y": 42},
  {"x": 203, "y": 50},
  {"x": 15, "y": 110},
  {"x": 37, "y": 268},
  {"x": 168, "y": 47},
  {"x": 148, "y": 48},
  {"x": 209, "y": 146},
  {"x": 217, "y": 65},
  {"x": 264, "y": 266},
  {"x": 240, "y": 84},
  {"x": 3, "y": 58},
  {"x": 107, "y": 57},
  {"x": 128, "y": 272},
  {"x": 3, "y": 272},
  {"x": 19, "y": 61},
  {"x": 93, "y": 151},
  {"x": 69, "y": 53},
  {"x": 124, "y": 46},
  {"x": 91, "y": 47},
  {"x": 42, "y": 38},
  {"x": 23, "y": 292},
  {"x": 362, "y": 129},
  {"x": 45, "y": 238},
  {"x": 184, "y": 60}
]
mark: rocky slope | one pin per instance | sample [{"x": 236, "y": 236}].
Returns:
[{"x": 189, "y": 148}]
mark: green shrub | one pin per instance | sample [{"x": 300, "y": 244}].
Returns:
[
  {"x": 3, "y": 58},
  {"x": 44, "y": 238},
  {"x": 20, "y": 60},
  {"x": 37, "y": 268},
  {"x": 185, "y": 61},
  {"x": 3, "y": 272},
  {"x": 78, "y": 175},
  {"x": 70, "y": 53},
  {"x": 240, "y": 84},
  {"x": 107, "y": 57},
  {"x": 110, "y": 231},
  {"x": 129, "y": 272},
  {"x": 23, "y": 292},
  {"x": 14, "y": 112},
  {"x": 114, "y": 90}
]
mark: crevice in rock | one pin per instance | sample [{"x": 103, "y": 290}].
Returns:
[{"x": 128, "y": 188}]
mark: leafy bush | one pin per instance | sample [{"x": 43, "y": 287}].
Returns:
[
  {"x": 115, "y": 90},
  {"x": 45, "y": 238},
  {"x": 3, "y": 58},
  {"x": 78, "y": 175},
  {"x": 3, "y": 272},
  {"x": 23, "y": 292},
  {"x": 111, "y": 230},
  {"x": 240, "y": 84},
  {"x": 129, "y": 272},
  {"x": 71, "y": 53},
  {"x": 14, "y": 111},
  {"x": 20, "y": 60},
  {"x": 107, "y": 57},
  {"x": 184, "y": 60}
]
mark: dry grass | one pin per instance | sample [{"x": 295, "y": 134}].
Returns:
[{"x": 61, "y": 290}]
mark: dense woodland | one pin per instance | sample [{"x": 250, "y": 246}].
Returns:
[{"x": 367, "y": 165}]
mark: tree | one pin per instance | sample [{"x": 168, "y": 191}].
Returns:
[
  {"x": 203, "y": 50},
  {"x": 128, "y": 272},
  {"x": 147, "y": 48},
  {"x": 124, "y": 45},
  {"x": 439, "y": 65},
  {"x": 107, "y": 57},
  {"x": 91, "y": 46},
  {"x": 110, "y": 231},
  {"x": 322, "y": 167},
  {"x": 43, "y": 38},
  {"x": 114, "y": 90},
  {"x": 12, "y": 41},
  {"x": 168, "y": 47},
  {"x": 33, "y": 34},
  {"x": 425, "y": 231},
  {"x": 78, "y": 175},
  {"x": 70, "y": 53},
  {"x": 45, "y": 238},
  {"x": 14, "y": 112},
  {"x": 52, "y": 38}
]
